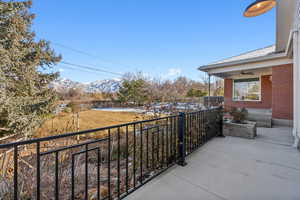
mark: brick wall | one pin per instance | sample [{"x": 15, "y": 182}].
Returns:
[
  {"x": 276, "y": 94},
  {"x": 266, "y": 95},
  {"x": 282, "y": 101}
]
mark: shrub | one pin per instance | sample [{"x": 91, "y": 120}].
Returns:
[
  {"x": 75, "y": 107},
  {"x": 68, "y": 110},
  {"x": 238, "y": 114}
]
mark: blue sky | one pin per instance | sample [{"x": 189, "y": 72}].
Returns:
[{"x": 161, "y": 38}]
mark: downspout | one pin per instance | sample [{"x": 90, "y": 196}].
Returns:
[
  {"x": 296, "y": 88},
  {"x": 209, "y": 85},
  {"x": 297, "y": 139},
  {"x": 209, "y": 99}
]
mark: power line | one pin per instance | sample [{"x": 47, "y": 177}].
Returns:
[
  {"x": 74, "y": 50},
  {"x": 87, "y": 54},
  {"x": 83, "y": 53},
  {"x": 82, "y": 70},
  {"x": 92, "y": 68}
]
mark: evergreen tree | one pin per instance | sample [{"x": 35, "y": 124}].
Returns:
[
  {"x": 134, "y": 88},
  {"x": 195, "y": 93},
  {"x": 25, "y": 96}
]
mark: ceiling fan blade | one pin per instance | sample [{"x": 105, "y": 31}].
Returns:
[{"x": 247, "y": 73}]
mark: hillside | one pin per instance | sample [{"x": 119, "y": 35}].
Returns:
[{"x": 107, "y": 86}]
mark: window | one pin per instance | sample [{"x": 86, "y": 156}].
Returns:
[{"x": 246, "y": 89}]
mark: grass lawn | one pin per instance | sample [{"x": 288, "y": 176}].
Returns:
[{"x": 67, "y": 122}]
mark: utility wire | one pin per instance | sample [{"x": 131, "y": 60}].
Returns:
[
  {"x": 74, "y": 50},
  {"x": 82, "y": 70},
  {"x": 88, "y": 54},
  {"x": 85, "y": 66},
  {"x": 91, "y": 68}
]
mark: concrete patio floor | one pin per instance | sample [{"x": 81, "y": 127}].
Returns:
[{"x": 233, "y": 169}]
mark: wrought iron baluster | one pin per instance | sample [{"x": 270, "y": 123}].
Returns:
[
  {"x": 147, "y": 148},
  {"x": 86, "y": 172},
  {"x": 158, "y": 147},
  {"x": 141, "y": 153},
  {"x": 56, "y": 176},
  {"x": 16, "y": 192},
  {"x": 118, "y": 168},
  {"x": 73, "y": 178},
  {"x": 171, "y": 138},
  {"x": 198, "y": 129},
  {"x": 98, "y": 173},
  {"x": 109, "y": 165},
  {"x": 167, "y": 141},
  {"x": 182, "y": 138},
  {"x": 134, "y": 155},
  {"x": 191, "y": 131},
  {"x": 38, "y": 171},
  {"x": 153, "y": 149},
  {"x": 127, "y": 155},
  {"x": 175, "y": 136},
  {"x": 203, "y": 127},
  {"x": 162, "y": 147}
]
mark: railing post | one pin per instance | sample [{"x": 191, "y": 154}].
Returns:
[
  {"x": 220, "y": 110},
  {"x": 181, "y": 139}
]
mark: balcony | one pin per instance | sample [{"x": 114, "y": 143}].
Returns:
[
  {"x": 233, "y": 169},
  {"x": 147, "y": 160}
]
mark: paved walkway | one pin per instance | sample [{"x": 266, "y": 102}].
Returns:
[{"x": 233, "y": 169}]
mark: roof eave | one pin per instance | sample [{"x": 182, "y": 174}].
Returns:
[{"x": 206, "y": 68}]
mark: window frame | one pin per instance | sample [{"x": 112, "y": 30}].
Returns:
[{"x": 260, "y": 91}]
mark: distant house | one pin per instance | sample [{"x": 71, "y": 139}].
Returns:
[{"x": 267, "y": 79}]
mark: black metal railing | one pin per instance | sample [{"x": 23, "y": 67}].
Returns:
[
  {"x": 212, "y": 101},
  {"x": 104, "y": 163}
]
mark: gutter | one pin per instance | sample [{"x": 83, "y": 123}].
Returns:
[{"x": 289, "y": 47}]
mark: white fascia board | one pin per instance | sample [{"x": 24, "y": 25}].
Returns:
[{"x": 250, "y": 66}]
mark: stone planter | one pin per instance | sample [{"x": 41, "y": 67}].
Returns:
[{"x": 245, "y": 130}]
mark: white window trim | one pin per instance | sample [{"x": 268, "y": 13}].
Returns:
[{"x": 259, "y": 78}]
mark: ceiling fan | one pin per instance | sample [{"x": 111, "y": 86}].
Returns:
[{"x": 247, "y": 73}]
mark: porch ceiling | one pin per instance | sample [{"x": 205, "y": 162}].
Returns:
[{"x": 245, "y": 73}]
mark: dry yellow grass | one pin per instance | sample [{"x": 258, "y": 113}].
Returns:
[{"x": 67, "y": 122}]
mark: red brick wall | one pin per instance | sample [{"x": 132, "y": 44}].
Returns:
[
  {"x": 266, "y": 95},
  {"x": 282, "y": 101}
]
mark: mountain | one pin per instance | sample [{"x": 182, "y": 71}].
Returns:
[
  {"x": 108, "y": 86},
  {"x": 65, "y": 84}
]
